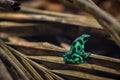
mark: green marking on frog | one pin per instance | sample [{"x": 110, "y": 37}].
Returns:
[{"x": 77, "y": 54}]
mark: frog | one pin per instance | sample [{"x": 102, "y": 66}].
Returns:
[{"x": 77, "y": 53}]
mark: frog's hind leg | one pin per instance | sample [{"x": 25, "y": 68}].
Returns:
[
  {"x": 83, "y": 53},
  {"x": 77, "y": 58},
  {"x": 66, "y": 57}
]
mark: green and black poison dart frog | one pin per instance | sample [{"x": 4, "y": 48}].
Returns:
[{"x": 77, "y": 54}]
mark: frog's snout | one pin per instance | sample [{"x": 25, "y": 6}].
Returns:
[{"x": 86, "y": 35}]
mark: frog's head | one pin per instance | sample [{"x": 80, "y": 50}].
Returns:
[{"x": 84, "y": 37}]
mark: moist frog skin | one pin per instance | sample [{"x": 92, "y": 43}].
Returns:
[{"x": 77, "y": 54}]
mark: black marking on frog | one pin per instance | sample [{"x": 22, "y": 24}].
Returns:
[{"x": 77, "y": 53}]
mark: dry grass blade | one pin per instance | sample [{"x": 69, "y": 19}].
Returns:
[
  {"x": 4, "y": 74},
  {"x": 39, "y": 67},
  {"x": 14, "y": 28},
  {"x": 17, "y": 62},
  {"x": 57, "y": 17},
  {"x": 108, "y": 61},
  {"x": 22, "y": 59},
  {"x": 40, "y": 45},
  {"x": 113, "y": 33},
  {"x": 96, "y": 59},
  {"x": 48, "y": 77},
  {"x": 7, "y": 56},
  {"x": 59, "y": 60},
  {"x": 75, "y": 75},
  {"x": 66, "y": 18},
  {"x": 25, "y": 62},
  {"x": 9, "y": 24},
  {"x": 49, "y": 61}
]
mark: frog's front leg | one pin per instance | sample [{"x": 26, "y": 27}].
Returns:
[
  {"x": 66, "y": 57},
  {"x": 83, "y": 53}
]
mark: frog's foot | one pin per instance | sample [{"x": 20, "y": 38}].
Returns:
[
  {"x": 65, "y": 58},
  {"x": 75, "y": 61},
  {"x": 77, "y": 58},
  {"x": 86, "y": 55}
]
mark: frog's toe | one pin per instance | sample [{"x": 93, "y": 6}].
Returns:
[
  {"x": 77, "y": 60},
  {"x": 86, "y": 55},
  {"x": 71, "y": 61},
  {"x": 82, "y": 61}
]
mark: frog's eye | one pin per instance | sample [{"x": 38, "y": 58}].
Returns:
[
  {"x": 74, "y": 50},
  {"x": 80, "y": 41},
  {"x": 86, "y": 38}
]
